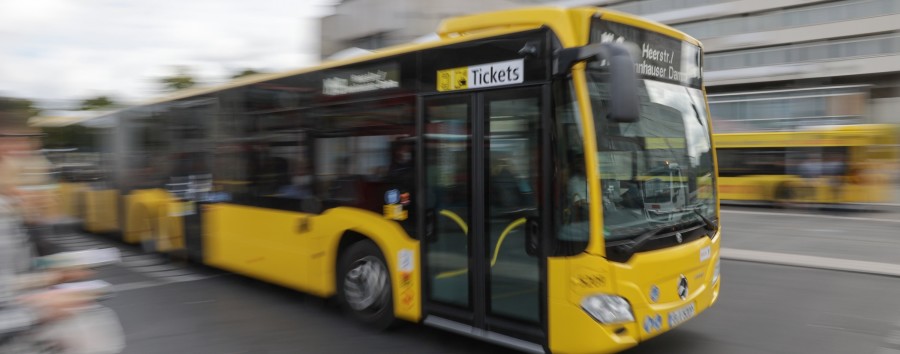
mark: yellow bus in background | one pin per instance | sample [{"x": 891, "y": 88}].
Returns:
[
  {"x": 540, "y": 178},
  {"x": 815, "y": 165}
]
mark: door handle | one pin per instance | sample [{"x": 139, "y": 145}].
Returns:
[
  {"x": 430, "y": 224},
  {"x": 532, "y": 236},
  {"x": 303, "y": 224}
]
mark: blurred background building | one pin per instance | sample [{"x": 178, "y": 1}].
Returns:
[{"x": 769, "y": 65}]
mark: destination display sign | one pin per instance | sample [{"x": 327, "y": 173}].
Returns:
[
  {"x": 357, "y": 80},
  {"x": 662, "y": 58}
]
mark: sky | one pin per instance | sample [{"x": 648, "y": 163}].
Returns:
[{"x": 58, "y": 52}]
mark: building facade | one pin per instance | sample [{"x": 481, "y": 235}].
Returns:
[
  {"x": 769, "y": 64},
  {"x": 373, "y": 24}
]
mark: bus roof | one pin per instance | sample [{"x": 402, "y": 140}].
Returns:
[{"x": 563, "y": 21}]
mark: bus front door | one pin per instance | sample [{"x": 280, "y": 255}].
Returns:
[{"x": 482, "y": 169}]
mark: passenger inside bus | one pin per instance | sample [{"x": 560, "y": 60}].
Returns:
[
  {"x": 577, "y": 188},
  {"x": 344, "y": 189},
  {"x": 507, "y": 191},
  {"x": 300, "y": 186}
]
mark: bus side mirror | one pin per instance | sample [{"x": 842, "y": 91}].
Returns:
[{"x": 623, "y": 91}]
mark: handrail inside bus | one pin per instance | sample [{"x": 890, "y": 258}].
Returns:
[
  {"x": 462, "y": 224},
  {"x": 459, "y": 221}
]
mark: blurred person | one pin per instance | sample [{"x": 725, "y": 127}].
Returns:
[
  {"x": 401, "y": 161},
  {"x": 300, "y": 186},
  {"x": 578, "y": 181},
  {"x": 25, "y": 173},
  {"x": 577, "y": 188},
  {"x": 833, "y": 168},
  {"x": 810, "y": 170},
  {"x": 25, "y": 301},
  {"x": 811, "y": 167},
  {"x": 31, "y": 181},
  {"x": 507, "y": 190}
]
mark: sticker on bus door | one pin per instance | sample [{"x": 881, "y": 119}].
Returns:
[{"x": 395, "y": 203}]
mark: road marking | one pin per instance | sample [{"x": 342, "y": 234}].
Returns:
[
  {"x": 155, "y": 268},
  {"x": 65, "y": 238},
  {"x": 118, "y": 288},
  {"x": 747, "y": 212},
  {"x": 79, "y": 245},
  {"x": 797, "y": 260},
  {"x": 189, "y": 277},
  {"x": 168, "y": 273},
  {"x": 148, "y": 265},
  {"x": 199, "y": 302},
  {"x": 891, "y": 342},
  {"x": 142, "y": 261}
]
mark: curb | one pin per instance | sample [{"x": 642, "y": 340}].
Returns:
[
  {"x": 857, "y": 207},
  {"x": 796, "y": 260}
]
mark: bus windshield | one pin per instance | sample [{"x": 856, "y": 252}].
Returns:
[{"x": 657, "y": 171}]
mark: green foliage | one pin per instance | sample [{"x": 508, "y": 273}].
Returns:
[
  {"x": 14, "y": 112},
  {"x": 245, "y": 72},
  {"x": 96, "y": 103},
  {"x": 181, "y": 80}
]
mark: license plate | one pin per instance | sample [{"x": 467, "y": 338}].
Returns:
[{"x": 680, "y": 315}]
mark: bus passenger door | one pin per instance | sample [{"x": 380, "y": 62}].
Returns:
[{"x": 483, "y": 158}]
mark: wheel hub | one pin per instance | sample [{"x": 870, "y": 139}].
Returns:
[{"x": 365, "y": 285}]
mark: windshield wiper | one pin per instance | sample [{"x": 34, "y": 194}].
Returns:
[
  {"x": 697, "y": 113},
  {"x": 628, "y": 249},
  {"x": 638, "y": 242},
  {"x": 710, "y": 225}
]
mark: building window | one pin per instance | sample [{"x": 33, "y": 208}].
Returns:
[{"x": 370, "y": 42}]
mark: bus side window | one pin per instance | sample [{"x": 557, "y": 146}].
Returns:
[
  {"x": 362, "y": 151},
  {"x": 570, "y": 189}
]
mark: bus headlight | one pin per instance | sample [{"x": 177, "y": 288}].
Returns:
[
  {"x": 608, "y": 309},
  {"x": 715, "y": 276}
]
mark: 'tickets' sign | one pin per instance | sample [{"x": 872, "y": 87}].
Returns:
[{"x": 485, "y": 75}]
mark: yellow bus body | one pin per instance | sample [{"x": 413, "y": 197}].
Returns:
[
  {"x": 872, "y": 153},
  {"x": 301, "y": 250}
]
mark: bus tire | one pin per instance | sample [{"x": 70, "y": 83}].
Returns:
[
  {"x": 364, "y": 285},
  {"x": 784, "y": 194}
]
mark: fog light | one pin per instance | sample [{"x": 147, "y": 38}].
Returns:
[{"x": 608, "y": 308}]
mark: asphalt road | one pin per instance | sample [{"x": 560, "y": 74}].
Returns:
[{"x": 167, "y": 307}]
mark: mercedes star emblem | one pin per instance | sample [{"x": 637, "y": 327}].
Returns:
[
  {"x": 682, "y": 287},
  {"x": 678, "y": 237}
]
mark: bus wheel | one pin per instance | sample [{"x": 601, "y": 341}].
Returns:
[
  {"x": 364, "y": 285},
  {"x": 784, "y": 195}
]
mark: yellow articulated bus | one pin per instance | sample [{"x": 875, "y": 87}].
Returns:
[
  {"x": 816, "y": 165},
  {"x": 541, "y": 178}
]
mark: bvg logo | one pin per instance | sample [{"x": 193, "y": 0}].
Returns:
[{"x": 486, "y": 75}]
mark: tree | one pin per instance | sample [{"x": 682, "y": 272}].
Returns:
[
  {"x": 181, "y": 80},
  {"x": 10, "y": 104},
  {"x": 15, "y": 112},
  {"x": 96, "y": 103},
  {"x": 245, "y": 72}
]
